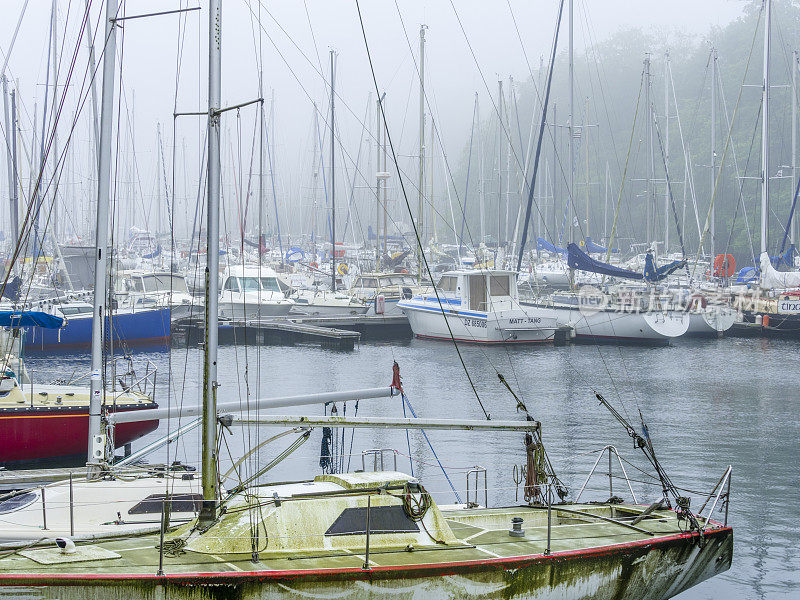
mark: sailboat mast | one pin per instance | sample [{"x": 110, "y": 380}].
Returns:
[
  {"x": 794, "y": 229},
  {"x": 333, "y": 180},
  {"x": 209, "y": 452},
  {"x": 765, "y": 128},
  {"x": 96, "y": 450},
  {"x": 571, "y": 122},
  {"x": 649, "y": 128},
  {"x": 421, "y": 183},
  {"x": 666, "y": 150},
  {"x": 712, "y": 229}
]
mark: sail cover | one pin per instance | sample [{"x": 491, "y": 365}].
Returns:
[
  {"x": 592, "y": 247},
  {"x": 654, "y": 275},
  {"x": 784, "y": 259},
  {"x": 543, "y": 244},
  {"x": 578, "y": 259},
  {"x": 29, "y": 318},
  {"x": 772, "y": 279}
]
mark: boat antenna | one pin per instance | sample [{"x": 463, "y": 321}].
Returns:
[{"x": 646, "y": 445}]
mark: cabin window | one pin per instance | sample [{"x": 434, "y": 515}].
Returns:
[
  {"x": 270, "y": 284},
  {"x": 447, "y": 283},
  {"x": 477, "y": 292},
  {"x": 367, "y": 282},
  {"x": 178, "y": 503},
  {"x": 20, "y": 501},
  {"x": 249, "y": 284},
  {"x": 137, "y": 285},
  {"x": 231, "y": 284},
  {"x": 161, "y": 283},
  {"x": 499, "y": 285},
  {"x": 382, "y": 519}
]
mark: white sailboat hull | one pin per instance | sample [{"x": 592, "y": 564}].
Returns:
[
  {"x": 711, "y": 321},
  {"x": 631, "y": 327}
]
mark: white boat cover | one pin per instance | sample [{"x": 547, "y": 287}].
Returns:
[{"x": 772, "y": 279}]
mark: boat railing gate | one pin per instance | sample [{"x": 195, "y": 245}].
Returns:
[
  {"x": 723, "y": 484},
  {"x": 476, "y": 471},
  {"x": 611, "y": 451},
  {"x": 377, "y": 456},
  {"x": 128, "y": 381}
]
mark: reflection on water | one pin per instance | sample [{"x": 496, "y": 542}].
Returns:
[{"x": 707, "y": 403}]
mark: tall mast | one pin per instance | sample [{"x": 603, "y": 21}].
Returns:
[
  {"x": 481, "y": 199},
  {"x": 571, "y": 121},
  {"x": 554, "y": 181},
  {"x": 96, "y": 446},
  {"x": 794, "y": 228},
  {"x": 15, "y": 162},
  {"x": 649, "y": 160},
  {"x": 765, "y": 129},
  {"x": 499, "y": 164},
  {"x": 585, "y": 141},
  {"x": 315, "y": 172},
  {"x": 209, "y": 456},
  {"x": 9, "y": 158},
  {"x": 333, "y": 180},
  {"x": 378, "y": 183},
  {"x": 712, "y": 229},
  {"x": 54, "y": 150},
  {"x": 666, "y": 150},
  {"x": 421, "y": 182}
]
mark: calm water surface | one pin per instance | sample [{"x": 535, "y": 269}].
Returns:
[{"x": 708, "y": 404}]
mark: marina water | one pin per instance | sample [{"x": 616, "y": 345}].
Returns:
[{"x": 707, "y": 404}]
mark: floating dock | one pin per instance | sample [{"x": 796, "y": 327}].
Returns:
[{"x": 272, "y": 332}]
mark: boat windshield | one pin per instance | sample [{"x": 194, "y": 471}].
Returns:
[
  {"x": 248, "y": 284},
  {"x": 367, "y": 282},
  {"x": 164, "y": 283},
  {"x": 270, "y": 284}
]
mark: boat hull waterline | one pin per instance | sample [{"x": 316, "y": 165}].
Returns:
[
  {"x": 130, "y": 328},
  {"x": 653, "y": 569},
  {"x": 620, "y": 326},
  {"x": 39, "y": 433}
]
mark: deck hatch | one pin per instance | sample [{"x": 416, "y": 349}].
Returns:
[
  {"x": 178, "y": 503},
  {"x": 382, "y": 519},
  {"x": 17, "y": 502}
]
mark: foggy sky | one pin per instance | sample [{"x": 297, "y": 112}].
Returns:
[{"x": 292, "y": 62}]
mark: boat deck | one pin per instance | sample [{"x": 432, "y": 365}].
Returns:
[{"x": 482, "y": 535}]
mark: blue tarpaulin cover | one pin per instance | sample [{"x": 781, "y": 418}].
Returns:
[
  {"x": 653, "y": 274},
  {"x": 29, "y": 318},
  {"x": 578, "y": 259},
  {"x": 543, "y": 244},
  {"x": 592, "y": 247}
]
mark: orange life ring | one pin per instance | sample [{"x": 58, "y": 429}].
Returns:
[{"x": 724, "y": 265}]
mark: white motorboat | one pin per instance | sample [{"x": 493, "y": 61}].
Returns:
[
  {"x": 325, "y": 303},
  {"x": 139, "y": 289},
  {"x": 250, "y": 292},
  {"x": 478, "y": 306}
]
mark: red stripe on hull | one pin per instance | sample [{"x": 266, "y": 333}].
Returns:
[
  {"x": 53, "y": 433},
  {"x": 354, "y": 574}
]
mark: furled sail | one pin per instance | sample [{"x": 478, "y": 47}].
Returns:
[
  {"x": 578, "y": 259},
  {"x": 543, "y": 244},
  {"x": 772, "y": 279},
  {"x": 655, "y": 274},
  {"x": 592, "y": 247}
]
